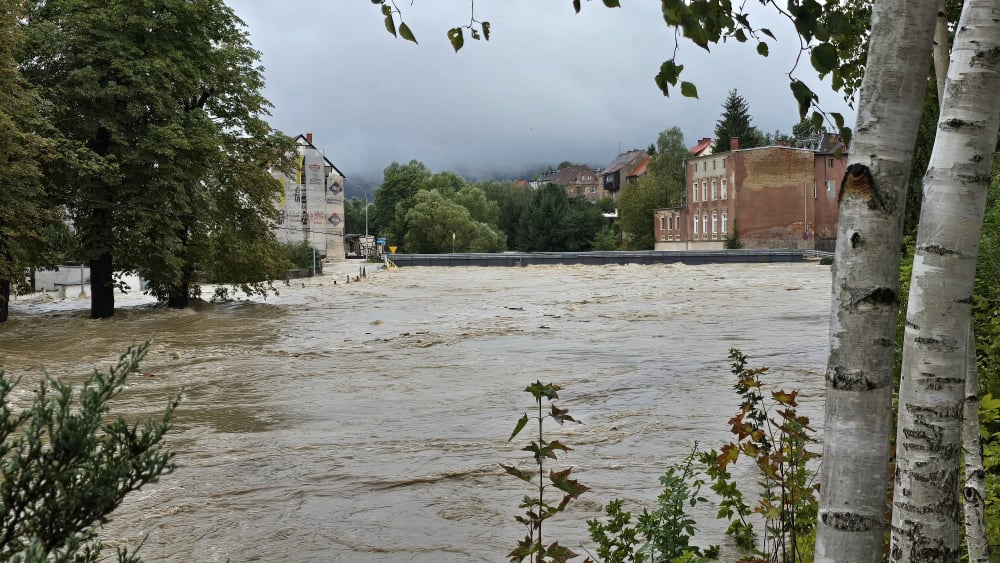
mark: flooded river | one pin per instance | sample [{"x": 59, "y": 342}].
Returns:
[{"x": 365, "y": 421}]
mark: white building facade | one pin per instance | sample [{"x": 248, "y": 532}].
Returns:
[{"x": 311, "y": 208}]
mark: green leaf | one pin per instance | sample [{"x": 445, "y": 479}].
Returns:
[
  {"x": 817, "y": 120},
  {"x": 386, "y": 10},
  {"x": 486, "y": 30},
  {"x": 694, "y": 31},
  {"x": 456, "y": 38},
  {"x": 576, "y": 5},
  {"x": 561, "y": 481},
  {"x": 522, "y": 475},
  {"x": 612, "y": 3},
  {"x": 689, "y": 90},
  {"x": 390, "y": 25},
  {"x": 669, "y": 71},
  {"x": 740, "y": 36},
  {"x": 803, "y": 95},
  {"x": 762, "y": 49},
  {"x": 768, "y": 33},
  {"x": 838, "y": 119},
  {"x": 520, "y": 426},
  {"x": 559, "y": 415},
  {"x": 556, "y": 552},
  {"x": 824, "y": 58},
  {"x": 405, "y": 33}
]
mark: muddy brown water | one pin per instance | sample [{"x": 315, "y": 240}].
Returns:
[{"x": 366, "y": 421}]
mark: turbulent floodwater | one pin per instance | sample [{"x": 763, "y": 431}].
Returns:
[{"x": 366, "y": 421}]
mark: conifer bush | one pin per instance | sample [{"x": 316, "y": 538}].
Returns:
[{"x": 66, "y": 465}]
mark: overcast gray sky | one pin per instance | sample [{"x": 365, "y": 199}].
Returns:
[{"x": 549, "y": 86}]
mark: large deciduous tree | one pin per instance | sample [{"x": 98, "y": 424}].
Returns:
[
  {"x": 150, "y": 98},
  {"x": 400, "y": 183},
  {"x": 434, "y": 224},
  {"x": 26, "y": 213}
]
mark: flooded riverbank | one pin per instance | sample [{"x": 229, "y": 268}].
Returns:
[{"x": 366, "y": 421}]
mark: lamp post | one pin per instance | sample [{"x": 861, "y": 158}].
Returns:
[
  {"x": 452, "y": 243},
  {"x": 366, "y": 212}
]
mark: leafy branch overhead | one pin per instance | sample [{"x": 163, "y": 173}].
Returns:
[{"x": 834, "y": 34}]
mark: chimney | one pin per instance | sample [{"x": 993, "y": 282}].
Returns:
[
  {"x": 309, "y": 138},
  {"x": 734, "y": 143},
  {"x": 705, "y": 140}
]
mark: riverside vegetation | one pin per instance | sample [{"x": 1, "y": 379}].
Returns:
[
  {"x": 768, "y": 431},
  {"x": 65, "y": 467}
]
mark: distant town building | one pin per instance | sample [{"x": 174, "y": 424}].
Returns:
[
  {"x": 311, "y": 207},
  {"x": 704, "y": 147},
  {"x": 579, "y": 180},
  {"x": 781, "y": 196},
  {"x": 624, "y": 169}
]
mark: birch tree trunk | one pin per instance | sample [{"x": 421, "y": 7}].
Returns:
[
  {"x": 975, "y": 474},
  {"x": 942, "y": 49},
  {"x": 925, "y": 519},
  {"x": 859, "y": 380}
]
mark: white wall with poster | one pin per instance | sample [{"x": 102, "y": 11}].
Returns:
[{"x": 312, "y": 207}]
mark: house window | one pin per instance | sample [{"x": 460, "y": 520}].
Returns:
[
  {"x": 814, "y": 190},
  {"x": 670, "y": 223},
  {"x": 694, "y": 191},
  {"x": 695, "y": 226},
  {"x": 723, "y": 164},
  {"x": 593, "y": 189},
  {"x": 704, "y": 225},
  {"x": 661, "y": 225},
  {"x": 715, "y": 190},
  {"x": 725, "y": 222},
  {"x": 830, "y": 185},
  {"x": 829, "y": 163},
  {"x": 704, "y": 190},
  {"x": 713, "y": 164},
  {"x": 715, "y": 222},
  {"x": 723, "y": 188}
]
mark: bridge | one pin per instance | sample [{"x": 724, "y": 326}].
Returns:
[{"x": 609, "y": 257}]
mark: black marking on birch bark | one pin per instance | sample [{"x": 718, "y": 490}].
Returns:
[
  {"x": 936, "y": 383},
  {"x": 985, "y": 58},
  {"x": 851, "y": 522},
  {"x": 877, "y": 296},
  {"x": 948, "y": 345},
  {"x": 938, "y": 249},
  {"x": 885, "y": 342},
  {"x": 856, "y": 380},
  {"x": 858, "y": 182},
  {"x": 955, "y": 123},
  {"x": 912, "y": 325},
  {"x": 856, "y": 240}
]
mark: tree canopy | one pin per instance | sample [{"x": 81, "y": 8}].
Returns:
[
  {"x": 736, "y": 123},
  {"x": 135, "y": 88}
]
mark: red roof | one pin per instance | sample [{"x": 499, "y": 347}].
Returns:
[
  {"x": 640, "y": 168},
  {"x": 702, "y": 147}
]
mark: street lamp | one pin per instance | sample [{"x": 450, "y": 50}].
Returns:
[{"x": 366, "y": 212}]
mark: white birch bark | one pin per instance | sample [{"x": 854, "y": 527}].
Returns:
[
  {"x": 942, "y": 49},
  {"x": 925, "y": 519},
  {"x": 859, "y": 382},
  {"x": 975, "y": 474}
]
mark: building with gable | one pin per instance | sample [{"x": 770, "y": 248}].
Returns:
[
  {"x": 624, "y": 169},
  {"x": 311, "y": 205},
  {"x": 780, "y": 196},
  {"x": 580, "y": 181}
]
